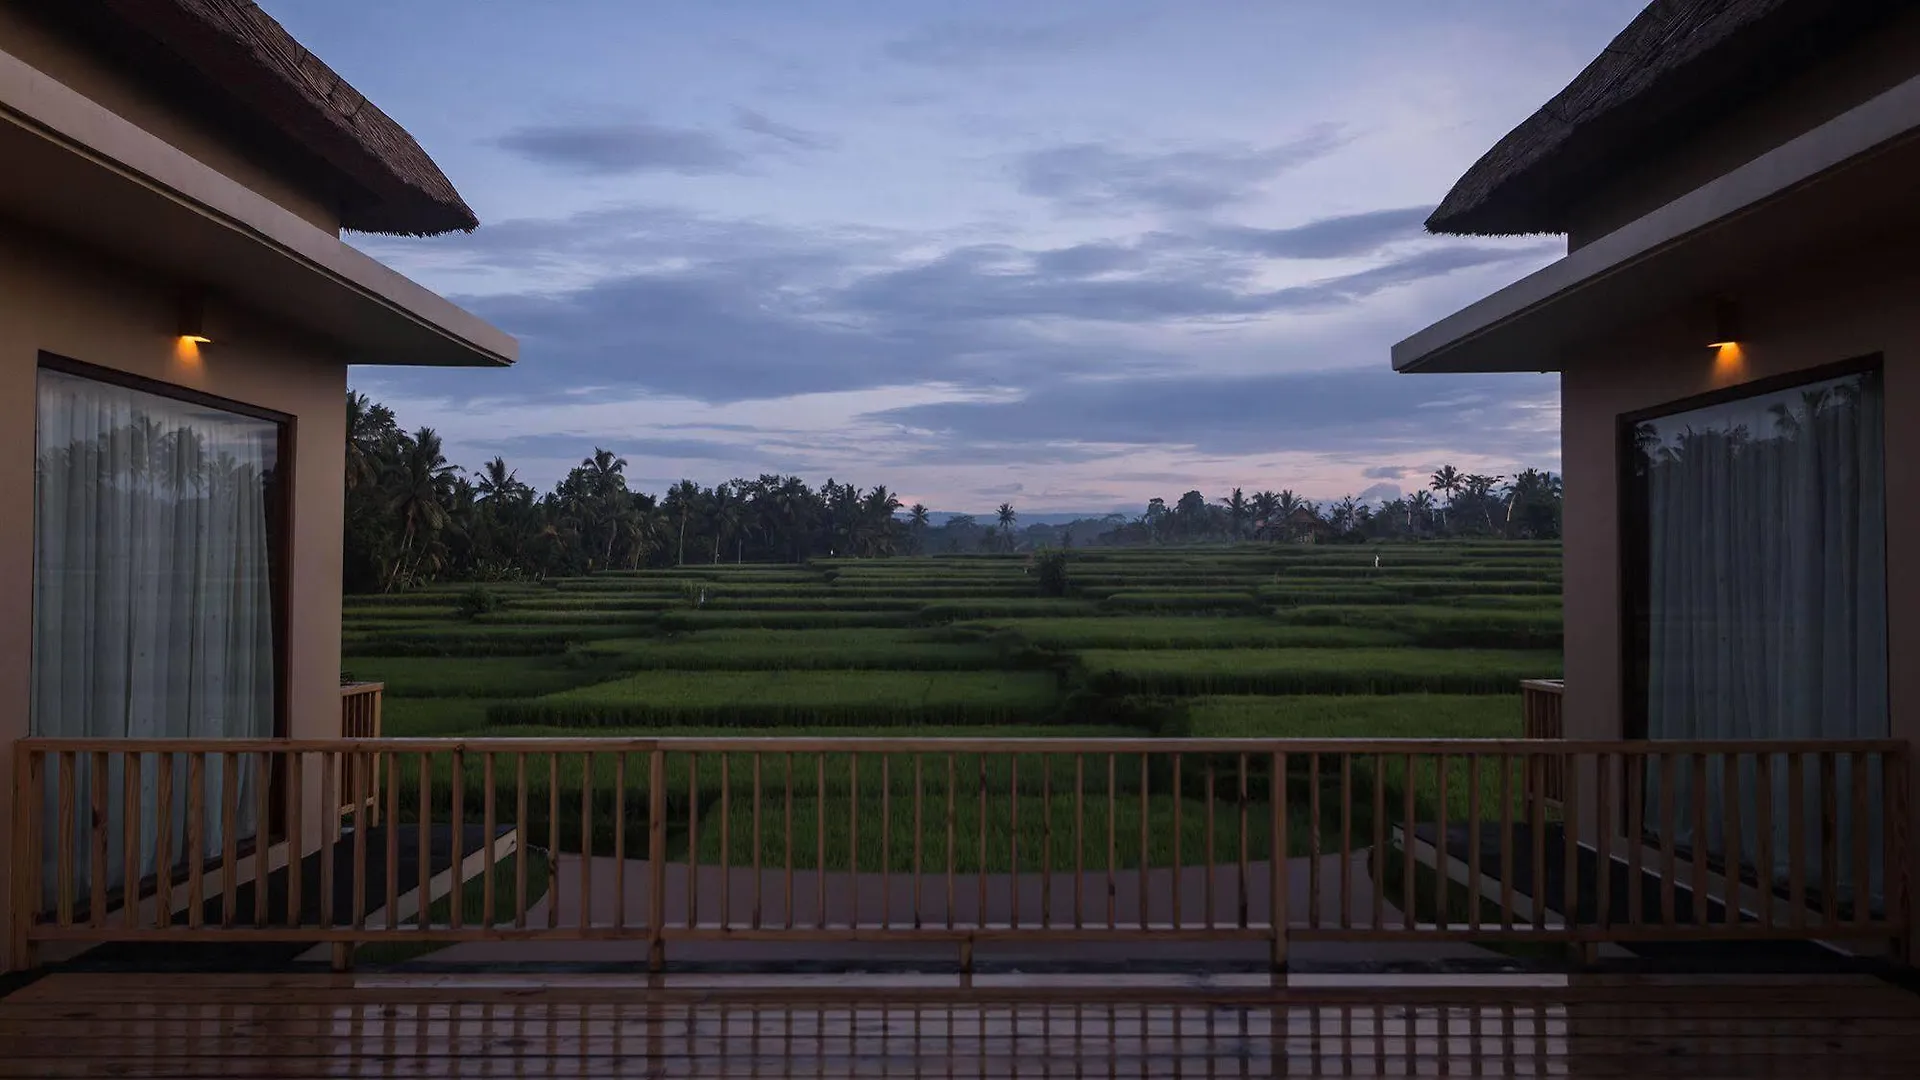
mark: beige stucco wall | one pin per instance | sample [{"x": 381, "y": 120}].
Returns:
[
  {"x": 1854, "y": 306},
  {"x": 80, "y": 306},
  {"x": 27, "y": 38}
]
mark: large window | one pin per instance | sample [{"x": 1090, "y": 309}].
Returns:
[
  {"x": 1755, "y": 549},
  {"x": 158, "y": 524}
]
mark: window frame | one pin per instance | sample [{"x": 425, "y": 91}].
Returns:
[
  {"x": 279, "y": 503},
  {"x": 1635, "y": 586}
]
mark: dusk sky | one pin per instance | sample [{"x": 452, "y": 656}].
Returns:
[{"x": 1067, "y": 254}]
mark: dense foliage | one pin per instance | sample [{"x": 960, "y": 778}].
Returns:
[{"x": 414, "y": 517}]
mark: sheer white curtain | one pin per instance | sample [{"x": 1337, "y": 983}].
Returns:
[
  {"x": 1767, "y": 593},
  {"x": 153, "y": 610}
]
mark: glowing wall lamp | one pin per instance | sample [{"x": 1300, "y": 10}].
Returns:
[
  {"x": 1726, "y": 324},
  {"x": 193, "y": 319},
  {"x": 1729, "y": 358}
]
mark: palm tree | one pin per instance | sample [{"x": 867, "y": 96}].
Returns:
[
  {"x": 1287, "y": 505},
  {"x": 681, "y": 501},
  {"x": 1266, "y": 511},
  {"x": 421, "y": 480},
  {"x": 1420, "y": 509},
  {"x": 1007, "y": 518},
  {"x": 369, "y": 426},
  {"x": 917, "y": 526},
  {"x": 1447, "y": 482},
  {"x": 728, "y": 513},
  {"x": 1238, "y": 511}
]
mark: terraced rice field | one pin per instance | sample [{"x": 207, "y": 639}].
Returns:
[{"x": 1228, "y": 641}]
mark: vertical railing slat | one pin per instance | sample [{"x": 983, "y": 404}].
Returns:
[
  {"x": 129, "y": 840},
  {"x": 1279, "y": 866},
  {"x": 1860, "y": 776},
  {"x": 229, "y": 839},
  {"x": 1507, "y": 869},
  {"x": 1314, "y": 830},
  {"x": 1732, "y": 838},
  {"x": 457, "y": 832},
  {"x": 196, "y": 846},
  {"x": 1408, "y": 881},
  {"x": 1763, "y": 832},
  {"x": 362, "y": 778},
  {"x": 1475, "y": 827},
  {"x": 523, "y": 833},
  {"x": 423, "y": 844},
  {"x": 392, "y": 839},
  {"x": 553, "y": 840},
  {"x": 586, "y": 840},
  {"x": 1701, "y": 896},
  {"x": 657, "y": 858},
  {"x": 97, "y": 840},
  {"x": 263, "y": 833},
  {"x": 1442, "y": 876},
  {"x": 63, "y": 867},
  {"x": 295, "y": 766},
  {"x": 489, "y": 840},
  {"x": 619, "y": 839},
  {"x": 330, "y": 832},
  {"x": 163, "y": 764},
  {"x": 1669, "y": 841},
  {"x": 1242, "y": 901}
]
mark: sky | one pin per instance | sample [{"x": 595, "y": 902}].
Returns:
[{"x": 1071, "y": 254}]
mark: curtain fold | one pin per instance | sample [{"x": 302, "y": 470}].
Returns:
[
  {"x": 1766, "y": 566},
  {"x": 153, "y": 602}
]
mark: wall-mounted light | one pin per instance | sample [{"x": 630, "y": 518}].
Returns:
[
  {"x": 192, "y": 326},
  {"x": 1726, "y": 324}
]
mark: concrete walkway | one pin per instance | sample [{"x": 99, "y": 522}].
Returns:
[{"x": 1005, "y": 897}]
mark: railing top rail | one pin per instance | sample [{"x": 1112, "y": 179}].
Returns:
[
  {"x": 1550, "y": 686},
  {"x": 364, "y": 687},
  {"x": 911, "y": 744}
]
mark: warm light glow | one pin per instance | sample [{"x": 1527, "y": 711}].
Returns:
[
  {"x": 196, "y": 339},
  {"x": 1729, "y": 363},
  {"x": 186, "y": 349}
]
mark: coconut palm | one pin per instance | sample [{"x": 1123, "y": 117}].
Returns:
[
  {"x": 1007, "y": 517},
  {"x": 420, "y": 483},
  {"x": 1447, "y": 482}
]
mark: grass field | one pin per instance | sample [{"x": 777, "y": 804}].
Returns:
[{"x": 1246, "y": 641}]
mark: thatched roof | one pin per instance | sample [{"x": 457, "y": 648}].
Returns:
[
  {"x": 1678, "y": 67},
  {"x": 232, "y": 60}
]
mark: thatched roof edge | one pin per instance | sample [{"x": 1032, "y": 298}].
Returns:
[
  {"x": 1663, "y": 76},
  {"x": 252, "y": 58}
]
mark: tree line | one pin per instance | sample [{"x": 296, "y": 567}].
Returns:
[{"x": 414, "y": 517}]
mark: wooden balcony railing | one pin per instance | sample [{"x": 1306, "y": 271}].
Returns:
[
  {"x": 360, "y": 704},
  {"x": 966, "y": 840},
  {"x": 1541, "y": 718}
]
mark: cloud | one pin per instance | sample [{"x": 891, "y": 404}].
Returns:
[
  {"x": 1387, "y": 472},
  {"x": 715, "y": 310},
  {"x": 759, "y": 123},
  {"x": 971, "y": 44},
  {"x": 1329, "y": 238},
  {"x": 1096, "y": 177},
  {"x": 1367, "y": 409},
  {"x": 620, "y": 148}
]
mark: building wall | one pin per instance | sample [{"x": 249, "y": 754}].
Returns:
[
  {"x": 1858, "y": 304},
  {"x": 79, "y": 69},
  {"x": 81, "y": 306},
  {"x": 1886, "y": 58}
]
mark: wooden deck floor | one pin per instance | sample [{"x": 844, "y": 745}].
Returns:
[{"x": 293, "y": 1025}]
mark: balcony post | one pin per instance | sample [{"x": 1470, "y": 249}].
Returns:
[
  {"x": 657, "y": 859},
  {"x": 25, "y": 872}
]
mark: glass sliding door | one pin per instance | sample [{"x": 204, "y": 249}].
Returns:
[
  {"x": 1755, "y": 547},
  {"x": 157, "y": 531}
]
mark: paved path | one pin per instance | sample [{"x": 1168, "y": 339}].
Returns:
[{"x": 1003, "y": 894}]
